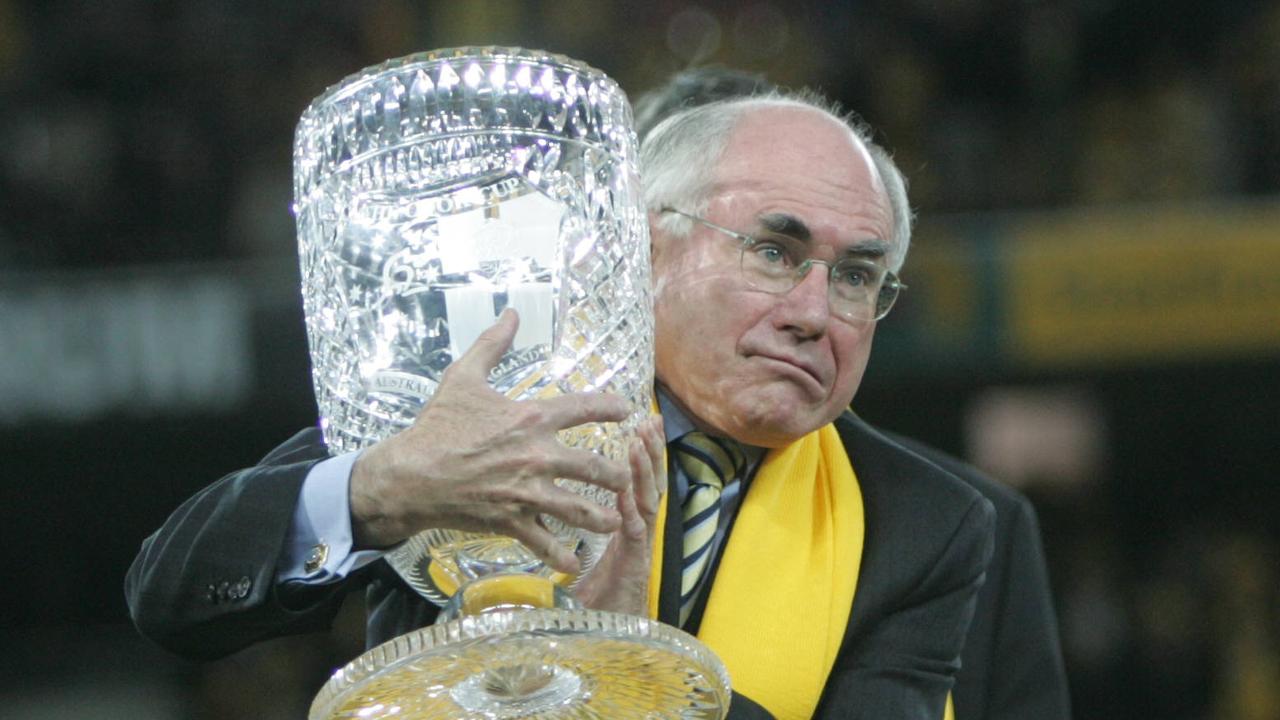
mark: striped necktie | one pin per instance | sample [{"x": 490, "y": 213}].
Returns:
[{"x": 709, "y": 463}]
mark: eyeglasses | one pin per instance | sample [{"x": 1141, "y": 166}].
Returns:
[{"x": 858, "y": 290}]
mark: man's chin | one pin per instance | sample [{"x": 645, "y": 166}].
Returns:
[
  {"x": 779, "y": 412},
  {"x": 774, "y": 425}
]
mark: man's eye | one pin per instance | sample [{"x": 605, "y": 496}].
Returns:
[
  {"x": 855, "y": 276},
  {"x": 772, "y": 253}
]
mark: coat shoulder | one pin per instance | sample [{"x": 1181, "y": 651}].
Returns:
[{"x": 902, "y": 488}]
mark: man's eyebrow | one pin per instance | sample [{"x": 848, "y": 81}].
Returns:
[
  {"x": 791, "y": 226},
  {"x": 787, "y": 225},
  {"x": 873, "y": 248}
]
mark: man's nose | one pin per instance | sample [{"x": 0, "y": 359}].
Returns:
[{"x": 807, "y": 309}]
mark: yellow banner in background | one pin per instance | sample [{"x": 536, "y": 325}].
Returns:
[
  {"x": 1143, "y": 283},
  {"x": 941, "y": 276}
]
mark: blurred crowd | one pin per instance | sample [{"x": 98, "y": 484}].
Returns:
[
  {"x": 140, "y": 131},
  {"x": 153, "y": 131}
]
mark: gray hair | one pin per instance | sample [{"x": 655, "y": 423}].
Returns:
[{"x": 679, "y": 155}]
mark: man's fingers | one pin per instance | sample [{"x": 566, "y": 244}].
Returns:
[
  {"x": 634, "y": 526},
  {"x": 644, "y": 491},
  {"x": 656, "y": 444},
  {"x": 575, "y": 510},
  {"x": 566, "y": 411},
  {"x": 542, "y": 543},
  {"x": 588, "y": 467},
  {"x": 489, "y": 347}
]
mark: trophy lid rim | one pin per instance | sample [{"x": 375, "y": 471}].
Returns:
[{"x": 355, "y": 81}]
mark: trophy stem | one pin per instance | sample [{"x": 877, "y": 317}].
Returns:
[
  {"x": 518, "y": 686},
  {"x": 506, "y": 591},
  {"x": 518, "y": 690}
]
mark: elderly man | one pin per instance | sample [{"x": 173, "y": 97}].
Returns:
[
  {"x": 1011, "y": 667},
  {"x": 834, "y": 572}
]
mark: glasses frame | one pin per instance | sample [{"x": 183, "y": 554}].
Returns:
[{"x": 890, "y": 285}]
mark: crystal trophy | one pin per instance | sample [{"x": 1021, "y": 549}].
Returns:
[{"x": 431, "y": 192}]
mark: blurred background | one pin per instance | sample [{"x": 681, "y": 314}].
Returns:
[{"x": 1093, "y": 313}]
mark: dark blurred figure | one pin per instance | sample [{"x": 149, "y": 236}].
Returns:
[
  {"x": 1011, "y": 667},
  {"x": 692, "y": 88}
]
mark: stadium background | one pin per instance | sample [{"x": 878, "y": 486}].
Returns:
[{"x": 1093, "y": 313}]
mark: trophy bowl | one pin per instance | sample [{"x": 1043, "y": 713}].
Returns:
[{"x": 432, "y": 192}]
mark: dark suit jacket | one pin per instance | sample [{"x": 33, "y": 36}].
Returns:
[
  {"x": 1011, "y": 667},
  {"x": 203, "y": 584}
]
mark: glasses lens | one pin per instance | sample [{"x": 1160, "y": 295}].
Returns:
[
  {"x": 858, "y": 290},
  {"x": 887, "y": 296},
  {"x": 769, "y": 267}
]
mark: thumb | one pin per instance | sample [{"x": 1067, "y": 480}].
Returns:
[{"x": 489, "y": 347}]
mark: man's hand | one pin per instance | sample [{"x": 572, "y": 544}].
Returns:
[
  {"x": 478, "y": 461},
  {"x": 620, "y": 581}
]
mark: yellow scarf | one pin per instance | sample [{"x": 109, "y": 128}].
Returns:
[{"x": 800, "y": 526}]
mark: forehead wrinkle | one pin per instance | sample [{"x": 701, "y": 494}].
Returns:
[{"x": 837, "y": 194}]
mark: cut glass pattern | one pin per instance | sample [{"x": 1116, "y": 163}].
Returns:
[{"x": 432, "y": 192}]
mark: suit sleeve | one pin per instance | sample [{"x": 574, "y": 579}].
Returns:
[
  {"x": 203, "y": 584},
  {"x": 1012, "y": 665},
  {"x": 905, "y": 664},
  {"x": 1027, "y": 656}
]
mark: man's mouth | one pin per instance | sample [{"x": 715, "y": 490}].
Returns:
[{"x": 801, "y": 367}]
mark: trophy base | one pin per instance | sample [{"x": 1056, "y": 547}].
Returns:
[
  {"x": 532, "y": 664},
  {"x": 519, "y": 690}
]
